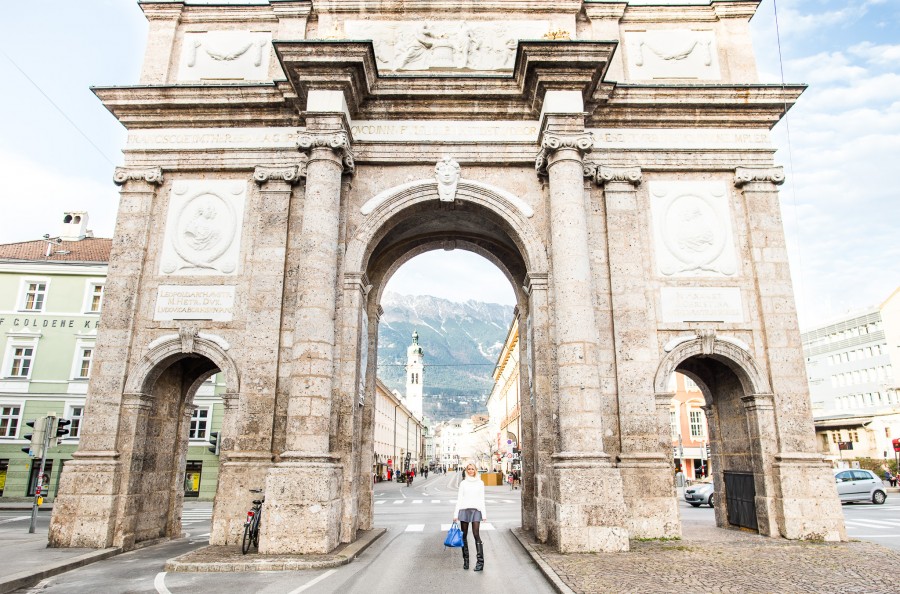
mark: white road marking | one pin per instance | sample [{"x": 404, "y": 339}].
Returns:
[
  {"x": 160, "y": 583},
  {"x": 876, "y": 535},
  {"x": 398, "y": 501},
  {"x": 417, "y": 501},
  {"x": 16, "y": 519},
  {"x": 415, "y": 528},
  {"x": 435, "y": 501},
  {"x": 313, "y": 582},
  {"x": 872, "y": 523},
  {"x": 379, "y": 502}
]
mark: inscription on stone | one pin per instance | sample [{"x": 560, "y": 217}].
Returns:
[
  {"x": 178, "y": 302},
  {"x": 701, "y": 304}
]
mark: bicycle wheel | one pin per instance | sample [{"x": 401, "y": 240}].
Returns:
[
  {"x": 256, "y": 533},
  {"x": 248, "y": 538}
]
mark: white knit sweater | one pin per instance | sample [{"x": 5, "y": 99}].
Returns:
[{"x": 471, "y": 495}]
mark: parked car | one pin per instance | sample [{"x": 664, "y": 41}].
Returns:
[
  {"x": 701, "y": 493},
  {"x": 855, "y": 484}
]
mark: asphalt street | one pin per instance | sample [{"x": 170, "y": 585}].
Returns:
[{"x": 410, "y": 556}]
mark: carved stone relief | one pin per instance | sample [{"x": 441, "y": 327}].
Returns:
[
  {"x": 447, "y": 174},
  {"x": 225, "y": 55},
  {"x": 671, "y": 53},
  {"x": 692, "y": 229},
  {"x": 445, "y": 45},
  {"x": 203, "y": 228}
]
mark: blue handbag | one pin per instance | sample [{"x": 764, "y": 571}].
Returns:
[{"x": 454, "y": 536}]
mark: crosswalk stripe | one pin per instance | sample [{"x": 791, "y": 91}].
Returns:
[
  {"x": 872, "y": 523},
  {"x": 399, "y": 501},
  {"x": 435, "y": 501},
  {"x": 417, "y": 501},
  {"x": 415, "y": 528},
  {"x": 379, "y": 502}
]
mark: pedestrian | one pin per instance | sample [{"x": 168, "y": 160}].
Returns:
[
  {"x": 470, "y": 509},
  {"x": 516, "y": 479}
]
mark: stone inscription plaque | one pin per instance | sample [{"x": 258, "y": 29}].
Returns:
[
  {"x": 182, "y": 302},
  {"x": 701, "y": 304}
]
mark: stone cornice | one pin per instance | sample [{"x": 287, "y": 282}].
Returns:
[
  {"x": 338, "y": 142},
  {"x": 552, "y": 142},
  {"x": 290, "y": 175},
  {"x": 455, "y": 7},
  {"x": 350, "y": 66},
  {"x": 603, "y": 174},
  {"x": 750, "y": 175},
  {"x": 612, "y": 10},
  {"x": 151, "y": 175}
]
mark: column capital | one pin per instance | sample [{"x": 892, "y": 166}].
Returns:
[
  {"x": 604, "y": 174},
  {"x": 750, "y": 175},
  {"x": 338, "y": 142},
  {"x": 290, "y": 175},
  {"x": 151, "y": 175},
  {"x": 357, "y": 281},
  {"x": 535, "y": 281},
  {"x": 758, "y": 401},
  {"x": 552, "y": 142}
]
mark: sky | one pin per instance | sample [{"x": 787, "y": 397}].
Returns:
[{"x": 840, "y": 144}]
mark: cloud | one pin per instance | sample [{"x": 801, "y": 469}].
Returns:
[
  {"x": 34, "y": 198},
  {"x": 879, "y": 54}
]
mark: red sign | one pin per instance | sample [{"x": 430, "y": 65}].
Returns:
[
  {"x": 390, "y": 462},
  {"x": 896, "y": 443}
]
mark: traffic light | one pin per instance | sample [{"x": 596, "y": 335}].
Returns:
[
  {"x": 61, "y": 430},
  {"x": 36, "y": 437},
  {"x": 214, "y": 440}
]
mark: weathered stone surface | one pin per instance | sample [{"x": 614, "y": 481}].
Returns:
[{"x": 638, "y": 224}]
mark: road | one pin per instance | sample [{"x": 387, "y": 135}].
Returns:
[{"x": 409, "y": 557}]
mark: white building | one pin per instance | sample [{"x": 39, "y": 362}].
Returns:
[
  {"x": 503, "y": 404},
  {"x": 850, "y": 364}
]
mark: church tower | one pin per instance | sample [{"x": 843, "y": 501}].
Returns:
[{"x": 415, "y": 369}]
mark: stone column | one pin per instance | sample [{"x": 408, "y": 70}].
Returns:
[
  {"x": 804, "y": 484},
  {"x": 540, "y": 410},
  {"x": 246, "y": 439},
  {"x": 590, "y": 510},
  {"x": 91, "y": 481},
  {"x": 366, "y": 489},
  {"x": 646, "y": 475},
  {"x": 304, "y": 489}
]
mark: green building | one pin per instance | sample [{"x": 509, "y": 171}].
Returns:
[{"x": 51, "y": 296}]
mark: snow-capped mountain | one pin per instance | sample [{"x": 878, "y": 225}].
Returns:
[{"x": 461, "y": 342}]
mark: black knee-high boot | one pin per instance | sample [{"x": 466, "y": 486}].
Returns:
[
  {"x": 465, "y": 549},
  {"x": 479, "y": 556}
]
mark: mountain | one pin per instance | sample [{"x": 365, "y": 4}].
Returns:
[{"x": 461, "y": 342}]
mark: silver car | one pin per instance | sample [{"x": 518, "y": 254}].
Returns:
[
  {"x": 854, "y": 484},
  {"x": 701, "y": 493}
]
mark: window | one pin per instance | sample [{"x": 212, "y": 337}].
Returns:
[
  {"x": 673, "y": 423},
  {"x": 836, "y": 437},
  {"x": 854, "y": 436},
  {"x": 199, "y": 423},
  {"x": 696, "y": 423},
  {"x": 20, "y": 361},
  {"x": 35, "y": 294},
  {"x": 9, "y": 420},
  {"x": 94, "y": 298},
  {"x": 75, "y": 415},
  {"x": 84, "y": 362}
]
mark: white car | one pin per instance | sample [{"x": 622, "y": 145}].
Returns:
[
  {"x": 701, "y": 493},
  {"x": 854, "y": 484}
]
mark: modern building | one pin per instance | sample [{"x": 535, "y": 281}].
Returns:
[
  {"x": 855, "y": 392},
  {"x": 503, "y": 403},
  {"x": 51, "y": 297}
]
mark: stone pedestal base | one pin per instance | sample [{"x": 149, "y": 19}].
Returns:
[
  {"x": 590, "y": 508},
  {"x": 84, "y": 514},
  {"x": 238, "y": 473},
  {"x": 809, "y": 505},
  {"x": 649, "y": 492},
  {"x": 302, "y": 512}
]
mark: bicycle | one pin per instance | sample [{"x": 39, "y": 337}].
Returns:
[{"x": 251, "y": 526}]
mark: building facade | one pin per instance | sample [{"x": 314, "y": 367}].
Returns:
[
  {"x": 851, "y": 363},
  {"x": 503, "y": 403},
  {"x": 690, "y": 434},
  {"x": 267, "y": 198},
  {"x": 398, "y": 435}
]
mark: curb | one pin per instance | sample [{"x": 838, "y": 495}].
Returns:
[
  {"x": 545, "y": 567},
  {"x": 23, "y": 579},
  {"x": 240, "y": 563}
]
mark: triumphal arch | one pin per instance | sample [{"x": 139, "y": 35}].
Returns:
[{"x": 285, "y": 157}]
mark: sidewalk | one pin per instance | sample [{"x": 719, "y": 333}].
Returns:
[{"x": 721, "y": 561}]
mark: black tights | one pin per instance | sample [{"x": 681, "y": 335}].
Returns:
[{"x": 475, "y": 533}]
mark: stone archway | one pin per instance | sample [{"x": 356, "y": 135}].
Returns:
[{"x": 409, "y": 220}]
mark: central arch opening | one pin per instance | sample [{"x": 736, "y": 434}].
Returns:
[{"x": 455, "y": 258}]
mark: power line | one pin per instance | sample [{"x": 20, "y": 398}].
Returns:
[{"x": 57, "y": 107}]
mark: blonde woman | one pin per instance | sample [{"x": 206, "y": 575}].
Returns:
[{"x": 470, "y": 509}]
